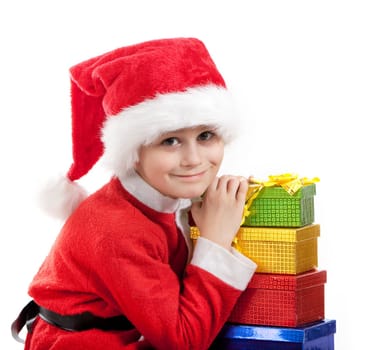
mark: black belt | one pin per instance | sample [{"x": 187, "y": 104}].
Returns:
[{"x": 74, "y": 323}]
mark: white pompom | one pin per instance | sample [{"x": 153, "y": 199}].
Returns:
[{"x": 60, "y": 197}]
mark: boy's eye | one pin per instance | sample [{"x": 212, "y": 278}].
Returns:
[
  {"x": 206, "y": 135},
  {"x": 171, "y": 141}
]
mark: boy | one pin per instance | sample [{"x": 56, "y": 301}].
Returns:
[{"x": 122, "y": 273}]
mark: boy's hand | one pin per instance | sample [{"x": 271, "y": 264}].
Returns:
[{"x": 219, "y": 214}]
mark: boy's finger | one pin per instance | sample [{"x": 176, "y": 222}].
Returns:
[
  {"x": 242, "y": 190},
  {"x": 213, "y": 186},
  {"x": 233, "y": 184}
]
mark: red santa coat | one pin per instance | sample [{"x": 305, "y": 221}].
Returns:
[{"x": 115, "y": 255}]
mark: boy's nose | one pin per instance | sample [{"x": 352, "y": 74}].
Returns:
[{"x": 191, "y": 155}]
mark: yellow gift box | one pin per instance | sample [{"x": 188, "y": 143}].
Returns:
[{"x": 278, "y": 250}]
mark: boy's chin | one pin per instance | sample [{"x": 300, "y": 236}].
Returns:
[
  {"x": 189, "y": 193},
  {"x": 193, "y": 194}
]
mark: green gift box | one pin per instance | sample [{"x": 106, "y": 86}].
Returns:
[{"x": 274, "y": 206}]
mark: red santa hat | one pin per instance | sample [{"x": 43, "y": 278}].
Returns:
[{"x": 128, "y": 97}]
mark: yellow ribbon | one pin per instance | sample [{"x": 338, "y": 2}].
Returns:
[
  {"x": 290, "y": 182},
  {"x": 235, "y": 244},
  {"x": 252, "y": 193}
]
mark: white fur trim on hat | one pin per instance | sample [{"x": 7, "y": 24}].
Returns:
[{"x": 124, "y": 133}]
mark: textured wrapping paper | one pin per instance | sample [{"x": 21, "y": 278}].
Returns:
[
  {"x": 280, "y": 250},
  {"x": 282, "y": 300},
  {"x": 283, "y": 250},
  {"x": 315, "y": 336},
  {"x": 283, "y": 201}
]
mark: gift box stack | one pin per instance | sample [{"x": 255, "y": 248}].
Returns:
[{"x": 283, "y": 306}]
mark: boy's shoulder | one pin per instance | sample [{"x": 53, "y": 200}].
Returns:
[{"x": 114, "y": 208}]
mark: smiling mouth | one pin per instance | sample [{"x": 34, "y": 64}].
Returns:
[{"x": 190, "y": 176}]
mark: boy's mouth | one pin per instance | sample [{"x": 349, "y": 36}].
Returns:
[{"x": 190, "y": 176}]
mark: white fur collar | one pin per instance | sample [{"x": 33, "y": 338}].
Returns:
[{"x": 149, "y": 196}]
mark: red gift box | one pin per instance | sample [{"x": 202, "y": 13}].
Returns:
[{"x": 282, "y": 300}]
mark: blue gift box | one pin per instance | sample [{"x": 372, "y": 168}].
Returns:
[{"x": 315, "y": 336}]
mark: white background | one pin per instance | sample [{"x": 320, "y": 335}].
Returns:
[{"x": 303, "y": 76}]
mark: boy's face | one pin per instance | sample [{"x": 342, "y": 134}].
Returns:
[{"x": 182, "y": 163}]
